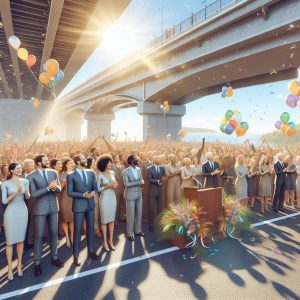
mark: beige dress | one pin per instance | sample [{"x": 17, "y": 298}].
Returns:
[
  {"x": 173, "y": 184},
  {"x": 185, "y": 172}
]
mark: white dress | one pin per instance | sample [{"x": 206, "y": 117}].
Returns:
[{"x": 107, "y": 200}]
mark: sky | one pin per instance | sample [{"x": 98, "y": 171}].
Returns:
[{"x": 260, "y": 105}]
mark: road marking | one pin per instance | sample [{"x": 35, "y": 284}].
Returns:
[{"x": 115, "y": 265}]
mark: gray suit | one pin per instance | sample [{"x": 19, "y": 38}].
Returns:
[
  {"x": 82, "y": 207},
  {"x": 45, "y": 209},
  {"x": 134, "y": 200},
  {"x": 156, "y": 199}
]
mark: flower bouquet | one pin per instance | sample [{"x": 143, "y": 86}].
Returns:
[{"x": 183, "y": 224}]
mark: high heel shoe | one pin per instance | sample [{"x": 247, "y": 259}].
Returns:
[
  {"x": 20, "y": 274},
  {"x": 106, "y": 248},
  {"x": 10, "y": 278},
  {"x": 111, "y": 247}
]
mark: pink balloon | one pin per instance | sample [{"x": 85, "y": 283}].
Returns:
[
  {"x": 291, "y": 100},
  {"x": 278, "y": 124}
]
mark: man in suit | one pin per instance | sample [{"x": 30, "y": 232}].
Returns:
[
  {"x": 209, "y": 171},
  {"x": 82, "y": 187},
  {"x": 44, "y": 184},
  {"x": 156, "y": 177},
  {"x": 280, "y": 169},
  {"x": 133, "y": 182}
]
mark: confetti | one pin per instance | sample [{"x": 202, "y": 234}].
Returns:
[{"x": 274, "y": 72}]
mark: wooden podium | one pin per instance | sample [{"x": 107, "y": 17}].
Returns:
[{"x": 210, "y": 199}]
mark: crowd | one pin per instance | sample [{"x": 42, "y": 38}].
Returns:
[{"x": 70, "y": 187}]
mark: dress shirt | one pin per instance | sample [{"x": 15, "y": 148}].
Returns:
[
  {"x": 135, "y": 173},
  {"x": 41, "y": 172},
  {"x": 79, "y": 171}
]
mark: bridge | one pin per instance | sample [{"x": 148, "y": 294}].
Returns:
[
  {"x": 242, "y": 42},
  {"x": 66, "y": 30}
]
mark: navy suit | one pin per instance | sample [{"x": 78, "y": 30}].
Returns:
[
  {"x": 280, "y": 182},
  {"x": 210, "y": 180},
  {"x": 82, "y": 207}
]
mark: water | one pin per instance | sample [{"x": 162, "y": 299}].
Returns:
[{"x": 231, "y": 139}]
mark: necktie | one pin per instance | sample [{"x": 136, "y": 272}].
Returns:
[
  {"x": 211, "y": 165},
  {"x": 84, "y": 178},
  {"x": 157, "y": 170},
  {"x": 45, "y": 177}
]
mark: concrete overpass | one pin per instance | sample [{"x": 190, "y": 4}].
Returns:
[{"x": 242, "y": 42}]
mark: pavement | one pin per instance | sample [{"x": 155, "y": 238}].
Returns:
[{"x": 264, "y": 264}]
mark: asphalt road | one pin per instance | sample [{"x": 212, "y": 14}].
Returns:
[{"x": 265, "y": 264}]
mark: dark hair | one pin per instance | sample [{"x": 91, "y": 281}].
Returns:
[
  {"x": 53, "y": 162},
  {"x": 3, "y": 166},
  {"x": 130, "y": 159},
  {"x": 103, "y": 161},
  {"x": 39, "y": 158},
  {"x": 77, "y": 158},
  {"x": 64, "y": 165},
  {"x": 89, "y": 162},
  {"x": 11, "y": 167}
]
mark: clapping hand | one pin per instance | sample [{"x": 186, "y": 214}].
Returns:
[
  {"x": 52, "y": 185},
  {"x": 20, "y": 188}
]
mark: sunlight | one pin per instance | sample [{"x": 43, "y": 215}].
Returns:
[{"x": 122, "y": 39}]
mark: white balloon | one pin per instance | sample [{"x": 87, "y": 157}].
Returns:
[
  {"x": 237, "y": 117},
  {"x": 298, "y": 102},
  {"x": 14, "y": 42},
  {"x": 161, "y": 107}
]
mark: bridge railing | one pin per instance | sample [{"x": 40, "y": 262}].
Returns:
[{"x": 195, "y": 19}]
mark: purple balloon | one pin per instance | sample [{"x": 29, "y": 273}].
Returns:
[
  {"x": 278, "y": 124},
  {"x": 291, "y": 100}
]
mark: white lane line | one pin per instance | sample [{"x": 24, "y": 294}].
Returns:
[
  {"x": 275, "y": 219},
  {"x": 115, "y": 265}
]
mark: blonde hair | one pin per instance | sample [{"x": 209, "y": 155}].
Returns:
[
  {"x": 239, "y": 160},
  {"x": 186, "y": 159}
]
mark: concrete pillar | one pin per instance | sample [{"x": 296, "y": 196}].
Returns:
[
  {"x": 73, "y": 128},
  {"x": 156, "y": 125},
  {"x": 99, "y": 124}
]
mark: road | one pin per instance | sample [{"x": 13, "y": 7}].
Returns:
[{"x": 265, "y": 264}]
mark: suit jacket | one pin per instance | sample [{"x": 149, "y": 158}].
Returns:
[
  {"x": 280, "y": 176},
  {"x": 133, "y": 189},
  {"x": 45, "y": 201},
  {"x": 153, "y": 178},
  {"x": 210, "y": 180},
  {"x": 76, "y": 188}
]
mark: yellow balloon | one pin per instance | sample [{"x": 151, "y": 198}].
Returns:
[
  {"x": 293, "y": 87},
  {"x": 22, "y": 53},
  {"x": 52, "y": 67},
  {"x": 224, "y": 121}
]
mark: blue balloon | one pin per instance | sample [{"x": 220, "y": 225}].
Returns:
[
  {"x": 291, "y": 124},
  {"x": 223, "y": 95},
  {"x": 44, "y": 68},
  {"x": 224, "y": 88},
  {"x": 229, "y": 129},
  {"x": 59, "y": 75}
]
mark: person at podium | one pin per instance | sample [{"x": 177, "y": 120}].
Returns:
[{"x": 210, "y": 170}]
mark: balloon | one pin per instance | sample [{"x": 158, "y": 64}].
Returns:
[
  {"x": 22, "y": 53},
  {"x": 166, "y": 103},
  {"x": 223, "y": 95},
  {"x": 44, "y": 78},
  {"x": 224, "y": 121},
  {"x": 228, "y": 129},
  {"x": 291, "y": 124},
  {"x": 298, "y": 91},
  {"x": 293, "y": 87},
  {"x": 36, "y": 103},
  {"x": 240, "y": 131},
  {"x": 291, "y": 100},
  {"x": 284, "y": 117},
  {"x": 222, "y": 127},
  {"x": 161, "y": 107},
  {"x": 298, "y": 103},
  {"x": 44, "y": 68},
  {"x": 229, "y": 91},
  {"x": 284, "y": 128},
  {"x": 237, "y": 117},
  {"x": 228, "y": 114},
  {"x": 278, "y": 124},
  {"x": 52, "y": 67},
  {"x": 14, "y": 42},
  {"x": 233, "y": 124},
  {"x": 244, "y": 125},
  {"x": 290, "y": 131},
  {"x": 31, "y": 60},
  {"x": 59, "y": 76},
  {"x": 229, "y": 94}
]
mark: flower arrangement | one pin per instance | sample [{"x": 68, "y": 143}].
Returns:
[
  {"x": 183, "y": 221},
  {"x": 234, "y": 217}
]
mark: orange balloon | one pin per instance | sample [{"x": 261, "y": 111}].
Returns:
[
  {"x": 44, "y": 78},
  {"x": 36, "y": 103},
  {"x": 298, "y": 91},
  {"x": 52, "y": 67},
  {"x": 31, "y": 60},
  {"x": 284, "y": 128},
  {"x": 240, "y": 131},
  {"x": 229, "y": 92},
  {"x": 290, "y": 131}
]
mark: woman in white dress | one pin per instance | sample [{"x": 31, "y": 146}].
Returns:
[
  {"x": 241, "y": 186},
  {"x": 298, "y": 181},
  {"x": 14, "y": 191},
  {"x": 107, "y": 202}
]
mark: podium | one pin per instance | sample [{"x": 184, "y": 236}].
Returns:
[{"x": 210, "y": 199}]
